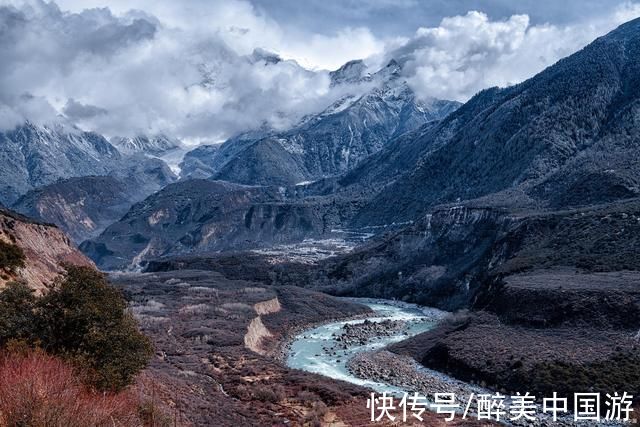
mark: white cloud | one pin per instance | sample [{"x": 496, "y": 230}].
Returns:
[
  {"x": 185, "y": 68},
  {"x": 130, "y": 73},
  {"x": 244, "y": 28},
  {"x": 180, "y": 68},
  {"x": 330, "y": 52},
  {"x": 465, "y": 54}
]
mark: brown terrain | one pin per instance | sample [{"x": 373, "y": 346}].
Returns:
[
  {"x": 544, "y": 331},
  {"x": 217, "y": 344},
  {"x": 219, "y": 324},
  {"x": 45, "y": 248},
  {"x": 544, "y": 301},
  {"x": 218, "y": 341}
]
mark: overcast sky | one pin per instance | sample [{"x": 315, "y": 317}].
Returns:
[{"x": 185, "y": 68}]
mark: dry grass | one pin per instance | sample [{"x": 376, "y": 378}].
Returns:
[
  {"x": 40, "y": 390},
  {"x": 194, "y": 309}
]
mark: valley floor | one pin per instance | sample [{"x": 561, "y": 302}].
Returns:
[{"x": 217, "y": 342}]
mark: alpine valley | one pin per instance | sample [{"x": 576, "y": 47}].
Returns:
[{"x": 515, "y": 217}]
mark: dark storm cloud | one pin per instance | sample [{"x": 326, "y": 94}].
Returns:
[{"x": 77, "y": 111}]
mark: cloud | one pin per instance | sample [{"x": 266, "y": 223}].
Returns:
[
  {"x": 465, "y": 54},
  {"x": 189, "y": 73},
  {"x": 202, "y": 71},
  {"x": 77, "y": 111},
  {"x": 41, "y": 47},
  {"x": 330, "y": 52}
]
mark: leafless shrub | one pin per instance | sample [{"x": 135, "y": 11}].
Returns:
[
  {"x": 40, "y": 390},
  {"x": 194, "y": 309}
]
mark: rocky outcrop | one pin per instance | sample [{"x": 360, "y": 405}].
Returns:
[
  {"x": 257, "y": 332},
  {"x": 268, "y": 307},
  {"x": 364, "y": 332},
  {"x": 553, "y": 297},
  {"x": 202, "y": 216},
  {"x": 45, "y": 248}
]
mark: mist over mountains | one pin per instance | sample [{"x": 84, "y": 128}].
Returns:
[
  {"x": 375, "y": 108},
  {"x": 476, "y": 181},
  {"x": 377, "y": 156}
]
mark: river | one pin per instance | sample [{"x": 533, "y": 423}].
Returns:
[
  {"x": 309, "y": 350},
  {"x": 317, "y": 350}
]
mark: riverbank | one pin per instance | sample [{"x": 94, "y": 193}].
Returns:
[
  {"x": 407, "y": 374},
  {"x": 205, "y": 373},
  {"x": 328, "y": 348},
  {"x": 282, "y": 346},
  {"x": 357, "y": 352}
]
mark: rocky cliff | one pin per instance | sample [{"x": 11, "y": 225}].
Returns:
[
  {"x": 45, "y": 248},
  {"x": 200, "y": 216},
  {"x": 460, "y": 255}
]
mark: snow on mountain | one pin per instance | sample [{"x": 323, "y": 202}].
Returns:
[
  {"x": 32, "y": 156},
  {"x": 153, "y": 145},
  {"x": 374, "y": 109}
]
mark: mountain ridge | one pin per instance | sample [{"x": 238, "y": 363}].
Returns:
[
  {"x": 334, "y": 140},
  {"x": 555, "y": 127}
]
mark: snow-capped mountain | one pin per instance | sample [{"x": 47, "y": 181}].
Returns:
[
  {"x": 375, "y": 109},
  {"x": 73, "y": 178},
  {"x": 32, "y": 156},
  {"x": 352, "y": 72},
  {"x": 555, "y": 141},
  {"x": 169, "y": 150},
  {"x": 564, "y": 138},
  {"x": 154, "y": 145}
]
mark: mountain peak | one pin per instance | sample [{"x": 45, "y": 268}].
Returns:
[
  {"x": 393, "y": 64},
  {"x": 155, "y": 145},
  {"x": 549, "y": 138},
  {"x": 263, "y": 55},
  {"x": 391, "y": 71},
  {"x": 351, "y": 72}
]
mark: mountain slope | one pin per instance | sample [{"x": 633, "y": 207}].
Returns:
[
  {"x": 44, "y": 246},
  {"x": 154, "y": 145},
  {"x": 202, "y": 216},
  {"x": 32, "y": 156},
  {"x": 381, "y": 107},
  {"x": 568, "y": 136},
  {"x": 84, "y": 206},
  {"x": 198, "y": 163}
]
